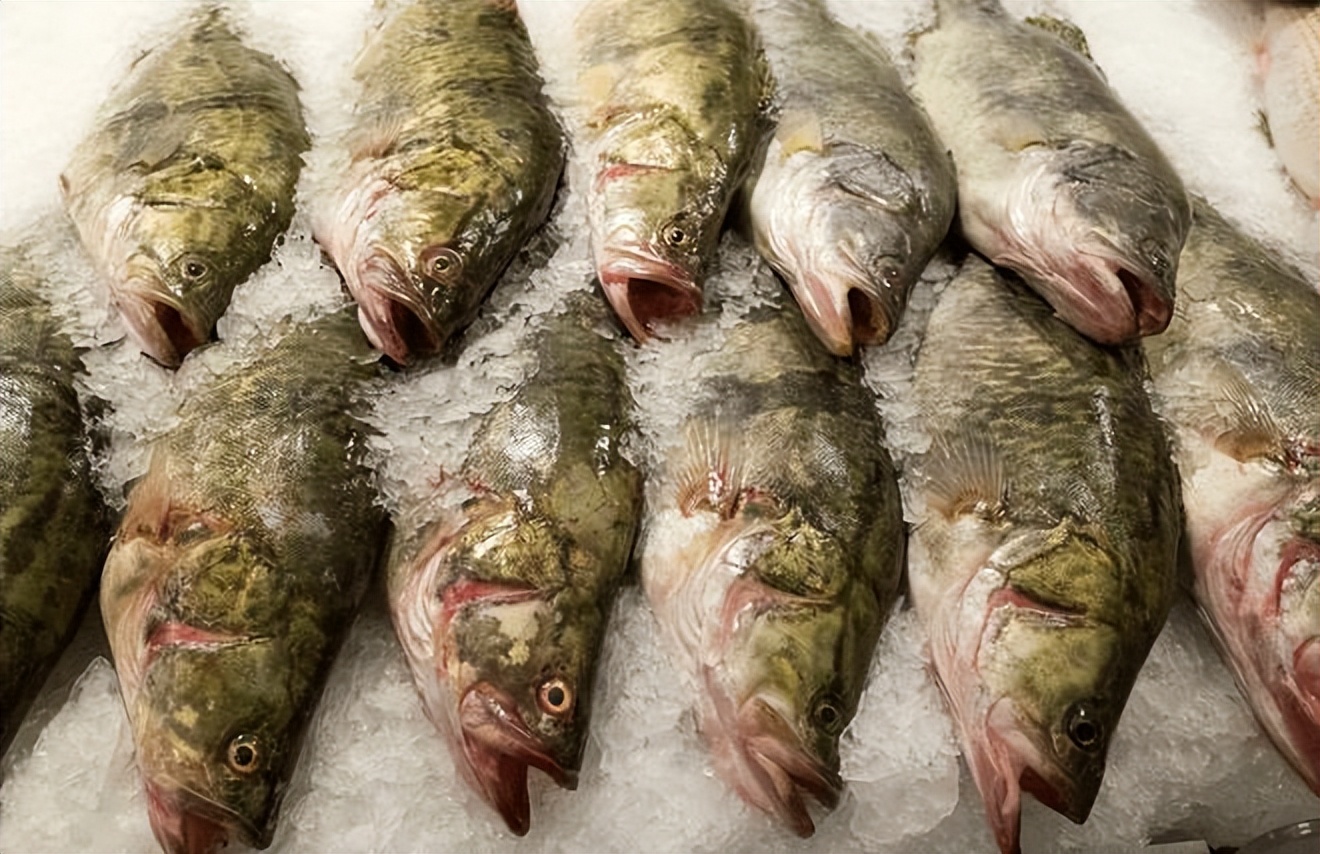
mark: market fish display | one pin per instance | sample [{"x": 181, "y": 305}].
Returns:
[
  {"x": 1289, "y": 57},
  {"x": 501, "y": 582},
  {"x": 675, "y": 93},
  {"x": 1043, "y": 556},
  {"x": 1056, "y": 179},
  {"x": 1238, "y": 376},
  {"x": 856, "y": 191},
  {"x": 455, "y": 159},
  {"x": 772, "y": 554},
  {"x": 53, "y": 527},
  {"x": 186, "y": 181},
  {"x": 234, "y": 577}
]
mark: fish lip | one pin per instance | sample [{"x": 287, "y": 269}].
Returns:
[
  {"x": 644, "y": 289},
  {"x": 185, "y": 822},
  {"x": 835, "y": 321},
  {"x": 498, "y": 748},
  {"x": 389, "y": 310},
  {"x": 162, "y": 632},
  {"x": 1112, "y": 300},
  {"x": 162, "y": 326}
]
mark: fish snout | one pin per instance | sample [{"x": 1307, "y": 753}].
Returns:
[
  {"x": 163, "y": 328},
  {"x": 645, "y": 289},
  {"x": 781, "y": 769},
  {"x": 393, "y": 318}
]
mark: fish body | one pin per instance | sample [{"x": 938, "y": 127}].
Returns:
[
  {"x": 1237, "y": 374},
  {"x": 1290, "y": 87},
  {"x": 856, "y": 191},
  {"x": 675, "y": 93},
  {"x": 772, "y": 553},
  {"x": 54, "y": 529},
  {"x": 501, "y": 583},
  {"x": 186, "y": 181},
  {"x": 1043, "y": 559},
  {"x": 234, "y": 577},
  {"x": 1056, "y": 179},
  {"x": 455, "y": 160}
]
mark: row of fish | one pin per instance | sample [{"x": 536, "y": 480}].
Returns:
[{"x": 773, "y": 537}]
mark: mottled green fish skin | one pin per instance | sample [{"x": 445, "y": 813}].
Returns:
[
  {"x": 676, "y": 94},
  {"x": 187, "y": 180},
  {"x": 1057, "y": 180},
  {"x": 54, "y": 529},
  {"x": 773, "y": 553},
  {"x": 234, "y": 577},
  {"x": 1049, "y": 535},
  {"x": 856, "y": 191},
  {"x": 501, "y": 603},
  {"x": 1237, "y": 375},
  {"x": 456, "y": 157}
]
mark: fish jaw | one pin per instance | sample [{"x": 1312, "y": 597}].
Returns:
[
  {"x": 185, "y": 824},
  {"x": 161, "y": 325},
  {"x": 843, "y": 318},
  {"x": 644, "y": 289}
]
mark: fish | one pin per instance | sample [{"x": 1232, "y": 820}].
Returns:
[
  {"x": 1056, "y": 178},
  {"x": 502, "y": 580},
  {"x": 1288, "y": 56},
  {"x": 855, "y": 191},
  {"x": 772, "y": 552},
  {"x": 676, "y": 95},
  {"x": 186, "y": 181},
  {"x": 455, "y": 160},
  {"x": 54, "y": 526},
  {"x": 1043, "y": 552},
  {"x": 239, "y": 564},
  {"x": 1237, "y": 375}
]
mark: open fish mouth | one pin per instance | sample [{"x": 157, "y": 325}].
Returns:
[
  {"x": 165, "y": 634},
  {"x": 780, "y": 769},
  {"x": 164, "y": 329},
  {"x": 185, "y": 823},
  {"x": 394, "y": 320},
  {"x": 498, "y": 748},
  {"x": 1110, "y": 301},
  {"x": 843, "y": 316},
  {"x": 645, "y": 291}
]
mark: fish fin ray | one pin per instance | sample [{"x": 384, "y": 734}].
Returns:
[
  {"x": 966, "y": 477},
  {"x": 1253, "y": 432},
  {"x": 714, "y": 474}
]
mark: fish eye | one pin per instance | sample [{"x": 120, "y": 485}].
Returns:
[
  {"x": 244, "y": 756},
  {"x": 555, "y": 697},
  {"x": 193, "y": 269},
  {"x": 441, "y": 263},
  {"x": 828, "y": 716},
  {"x": 1084, "y": 727}
]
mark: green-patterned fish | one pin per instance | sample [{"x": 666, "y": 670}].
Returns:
[
  {"x": 772, "y": 554},
  {"x": 53, "y": 527},
  {"x": 1043, "y": 554},
  {"x": 1237, "y": 374},
  {"x": 501, "y": 583},
  {"x": 233, "y": 580},
  {"x": 455, "y": 159},
  {"x": 186, "y": 181},
  {"x": 675, "y": 92}
]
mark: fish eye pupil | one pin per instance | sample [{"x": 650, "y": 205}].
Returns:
[
  {"x": 1084, "y": 730},
  {"x": 243, "y": 755},
  {"x": 555, "y": 696},
  {"x": 194, "y": 269},
  {"x": 676, "y": 236}
]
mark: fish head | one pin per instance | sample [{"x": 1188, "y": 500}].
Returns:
[{"x": 656, "y": 211}]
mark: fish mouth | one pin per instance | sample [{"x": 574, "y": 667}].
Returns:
[
  {"x": 186, "y": 823},
  {"x": 162, "y": 634},
  {"x": 163, "y": 329},
  {"x": 781, "y": 770},
  {"x": 647, "y": 290},
  {"x": 499, "y": 748},
  {"x": 1111, "y": 301},
  {"x": 843, "y": 318},
  {"x": 392, "y": 317}
]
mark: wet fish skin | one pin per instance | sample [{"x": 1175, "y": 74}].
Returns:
[
  {"x": 54, "y": 528},
  {"x": 856, "y": 190},
  {"x": 771, "y": 554},
  {"x": 1049, "y": 534},
  {"x": 676, "y": 92},
  {"x": 456, "y": 157},
  {"x": 233, "y": 580},
  {"x": 1056, "y": 179},
  {"x": 187, "y": 181},
  {"x": 1237, "y": 375},
  {"x": 501, "y": 602}
]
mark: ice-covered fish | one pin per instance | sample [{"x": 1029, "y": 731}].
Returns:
[
  {"x": 54, "y": 529},
  {"x": 455, "y": 159},
  {"x": 1289, "y": 57},
  {"x": 234, "y": 577},
  {"x": 1043, "y": 555},
  {"x": 772, "y": 554},
  {"x": 502, "y": 582},
  {"x": 856, "y": 191},
  {"x": 676, "y": 93},
  {"x": 1056, "y": 179},
  {"x": 1237, "y": 374},
  {"x": 186, "y": 181}
]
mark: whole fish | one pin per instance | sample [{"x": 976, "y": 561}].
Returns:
[
  {"x": 186, "y": 181},
  {"x": 1056, "y": 179},
  {"x": 500, "y": 594},
  {"x": 1289, "y": 58},
  {"x": 455, "y": 159},
  {"x": 54, "y": 528},
  {"x": 676, "y": 92},
  {"x": 856, "y": 191},
  {"x": 1044, "y": 552},
  {"x": 1237, "y": 374},
  {"x": 233, "y": 578},
  {"x": 772, "y": 555}
]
